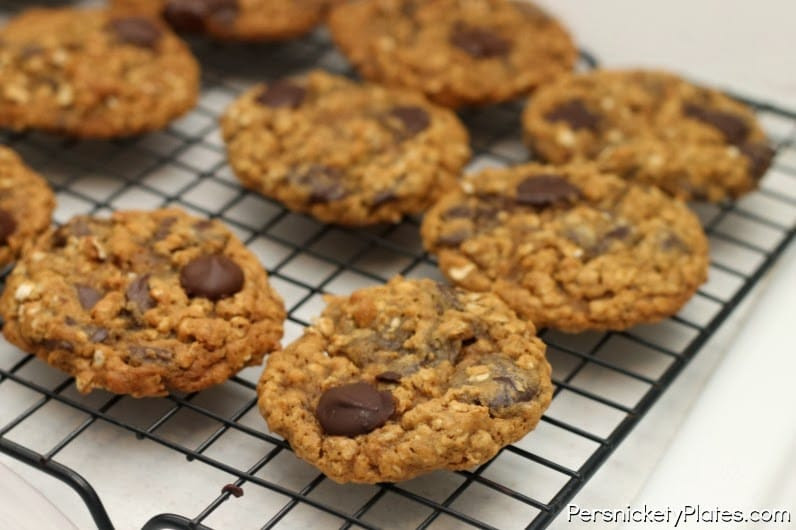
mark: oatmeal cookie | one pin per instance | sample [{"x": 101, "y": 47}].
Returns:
[
  {"x": 651, "y": 127},
  {"x": 91, "y": 74},
  {"x": 26, "y": 204},
  {"x": 458, "y": 52},
  {"x": 406, "y": 378},
  {"x": 344, "y": 152},
  {"x": 569, "y": 247},
  {"x": 143, "y": 303}
]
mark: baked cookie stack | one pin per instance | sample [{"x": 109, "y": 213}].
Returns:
[{"x": 400, "y": 379}]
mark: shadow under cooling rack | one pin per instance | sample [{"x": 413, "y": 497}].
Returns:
[{"x": 189, "y": 454}]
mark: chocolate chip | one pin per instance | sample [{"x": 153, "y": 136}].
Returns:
[
  {"x": 733, "y": 127},
  {"x": 53, "y": 344},
  {"x": 511, "y": 393},
  {"x": 7, "y": 225},
  {"x": 212, "y": 276},
  {"x": 620, "y": 232},
  {"x": 354, "y": 409},
  {"x": 448, "y": 298},
  {"x": 142, "y": 354},
  {"x": 222, "y": 12},
  {"x": 186, "y": 15},
  {"x": 232, "y": 489},
  {"x": 98, "y": 335},
  {"x": 389, "y": 377},
  {"x": 545, "y": 190},
  {"x": 458, "y": 212},
  {"x": 29, "y": 51},
  {"x": 88, "y": 296},
  {"x": 760, "y": 156},
  {"x": 455, "y": 238},
  {"x": 481, "y": 43},
  {"x": 138, "y": 293},
  {"x": 673, "y": 242},
  {"x": 325, "y": 183},
  {"x": 282, "y": 94},
  {"x": 414, "y": 119},
  {"x": 576, "y": 114},
  {"x": 192, "y": 15},
  {"x": 138, "y": 31},
  {"x": 164, "y": 228},
  {"x": 383, "y": 197}
]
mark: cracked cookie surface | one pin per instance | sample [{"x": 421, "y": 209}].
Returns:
[
  {"x": 248, "y": 20},
  {"x": 88, "y": 73},
  {"x": 346, "y": 153},
  {"x": 399, "y": 380},
  {"x": 142, "y": 303},
  {"x": 26, "y": 204},
  {"x": 569, "y": 247},
  {"x": 651, "y": 127},
  {"x": 457, "y": 52}
]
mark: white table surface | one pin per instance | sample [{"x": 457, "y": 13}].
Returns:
[{"x": 743, "y": 46}]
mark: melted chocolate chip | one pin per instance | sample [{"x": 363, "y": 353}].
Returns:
[
  {"x": 7, "y": 226},
  {"x": 674, "y": 242},
  {"x": 455, "y": 238},
  {"x": 389, "y": 377},
  {"x": 143, "y": 354},
  {"x": 29, "y": 51},
  {"x": 98, "y": 335},
  {"x": 203, "y": 225},
  {"x": 760, "y": 156},
  {"x": 354, "y": 409},
  {"x": 232, "y": 489},
  {"x": 138, "y": 293},
  {"x": 283, "y": 94},
  {"x": 325, "y": 183},
  {"x": 383, "y": 197},
  {"x": 481, "y": 43},
  {"x": 212, "y": 276},
  {"x": 53, "y": 344},
  {"x": 186, "y": 15},
  {"x": 620, "y": 232},
  {"x": 88, "y": 296},
  {"x": 164, "y": 229},
  {"x": 191, "y": 15},
  {"x": 511, "y": 393},
  {"x": 546, "y": 190},
  {"x": 223, "y": 12},
  {"x": 733, "y": 127},
  {"x": 448, "y": 298},
  {"x": 458, "y": 212},
  {"x": 414, "y": 119},
  {"x": 138, "y": 31},
  {"x": 576, "y": 114}
]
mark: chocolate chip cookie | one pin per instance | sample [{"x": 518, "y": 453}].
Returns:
[
  {"x": 88, "y": 73},
  {"x": 344, "y": 152},
  {"x": 143, "y": 303},
  {"x": 652, "y": 127},
  {"x": 405, "y": 378},
  {"x": 569, "y": 247},
  {"x": 458, "y": 52},
  {"x": 26, "y": 204},
  {"x": 233, "y": 19}
]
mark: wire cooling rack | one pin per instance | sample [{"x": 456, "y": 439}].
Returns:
[{"x": 186, "y": 456}]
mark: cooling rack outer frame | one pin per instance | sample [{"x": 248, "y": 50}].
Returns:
[{"x": 548, "y": 510}]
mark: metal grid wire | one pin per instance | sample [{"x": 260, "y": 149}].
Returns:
[{"x": 605, "y": 382}]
